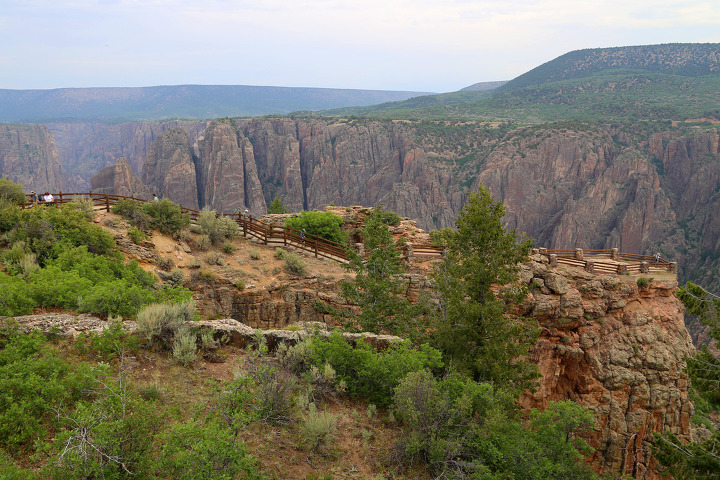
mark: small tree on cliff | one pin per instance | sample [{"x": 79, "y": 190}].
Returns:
[{"x": 472, "y": 329}]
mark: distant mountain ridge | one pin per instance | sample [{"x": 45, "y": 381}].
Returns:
[
  {"x": 180, "y": 101},
  {"x": 686, "y": 59},
  {"x": 670, "y": 82}
]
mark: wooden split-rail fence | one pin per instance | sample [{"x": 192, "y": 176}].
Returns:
[
  {"x": 598, "y": 261},
  {"x": 609, "y": 261}
]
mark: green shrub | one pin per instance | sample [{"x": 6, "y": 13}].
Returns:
[
  {"x": 204, "y": 276},
  {"x": 176, "y": 277},
  {"x": 229, "y": 248},
  {"x": 368, "y": 373},
  {"x": 184, "y": 347},
  {"x": 161, "y": 320},
  {"x": 279, "y": 253},
  {"x": 125, "y": 207},
  {"x": 318, "y": 429},
  {"x": 34, "y": 381},
  {"x": 9, "y": 215},
  {"x": 165, "y": 263},
  {"x": 321, "y": 224},
  {"x": 240, "y": 284},
  {"x": 84, "y": 205},
  {"x": 203, "y": 242},
  {"x": 116, "y": 298},
  {"x": 166, "y": 216},
  {"x": 15, "y": 298},
  {"x": 386, "y": 217},
  {"x": 11, "y": 192},
  {"x": 108, "y": 344},
  {"x": 254, "y": 254},
  {"x": 217, "y": 228},
  {"x": 195, "y": 450},
  {"x": 643, "y": 282},
  {"x": 276, "y": 206},
  {"x": 294, "y": 265},
  {"x": 273, "y": 390},
  {"x": 214, "y": 258},
  {"x": 136, "y": 235}
]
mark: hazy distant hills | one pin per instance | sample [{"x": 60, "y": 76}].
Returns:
[
  {"x": 182, "y": 101},
  {"x": 653, "y": 82}
]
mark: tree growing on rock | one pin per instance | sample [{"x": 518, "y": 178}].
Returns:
[{"x": 477, "y": 279}]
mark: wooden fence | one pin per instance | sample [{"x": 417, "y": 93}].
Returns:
[
  {"x": 251, "y": 227},
  {"x": 609, "y": 261},
  {"x": 599, "y": 261}
]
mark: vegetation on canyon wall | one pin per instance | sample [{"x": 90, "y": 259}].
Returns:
[{"x": 699, "y": 459}]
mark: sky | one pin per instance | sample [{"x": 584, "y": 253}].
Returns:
[{"x": 416, "y": 45}]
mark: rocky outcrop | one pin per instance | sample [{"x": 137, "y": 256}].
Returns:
[
  {"x": 169, "y": 170},
  {"x": 119, "y": 179},
  {"x": 28, "y": 156},
  {"x": 617, "y": 349}
]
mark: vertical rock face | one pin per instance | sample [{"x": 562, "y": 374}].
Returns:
[
  {"x": 226, "y": 171},
  {"x": 617, "y": 349},
  {"x": 87, "y": 147},
  {"x": 169, "y": 170},
  {"x": 119, "y": 179},
  {"x": 28, "y": 156}
]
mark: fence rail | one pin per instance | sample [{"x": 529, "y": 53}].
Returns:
[{"x": 609, "y": 261}]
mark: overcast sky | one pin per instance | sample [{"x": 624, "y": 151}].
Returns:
[{"x": 419, "y": 45}]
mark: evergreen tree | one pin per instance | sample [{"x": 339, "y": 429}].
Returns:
[
  {"x": 276, "y": 206},
  {"x": 379, "y": 288},
  {"x": 472, "y": 328}
]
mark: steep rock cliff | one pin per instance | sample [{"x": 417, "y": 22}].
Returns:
[
  {"x": 87, "y": 147},
  {"x": 28, "y": 156},
  {"x": 169, "y": 170},
  {"x": 617, "y": 349},
  {"x": 119, "y": 179}
]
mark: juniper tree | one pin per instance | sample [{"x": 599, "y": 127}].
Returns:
[{"x": 472, "y": 328}]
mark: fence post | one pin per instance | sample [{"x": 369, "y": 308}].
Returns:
[
  {"x": 622, "y": 269},
  {"x": 107, "y": 203},
  {"x": 589, "y": 266},
  {"x": 579, "y": 254},
  {"x": 614, "y": 253},
  {"x": 265, "y": 231},
  {"x": 542, "y": 251},
  {"x": 284, "y": 237},
  {"x": 553, "y": 259},
  {"x": 316, "y": 245},
  {"x": 644, "y": 267},
  {"x": 60, "y": 195},
  {"x": 673, "y": 267},
  {"x": 244, "y": 222}
]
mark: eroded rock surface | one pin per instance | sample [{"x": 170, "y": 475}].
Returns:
[{"x": 617, "y": 349}]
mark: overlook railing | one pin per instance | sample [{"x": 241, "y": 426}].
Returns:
[
  {"x": 609, "y": 261},
  {"x": 598, "y": 261},
  {"x": 251, "y": 228}
]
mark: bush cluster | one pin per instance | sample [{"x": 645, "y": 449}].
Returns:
[{"x": 321, "y": 224}]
